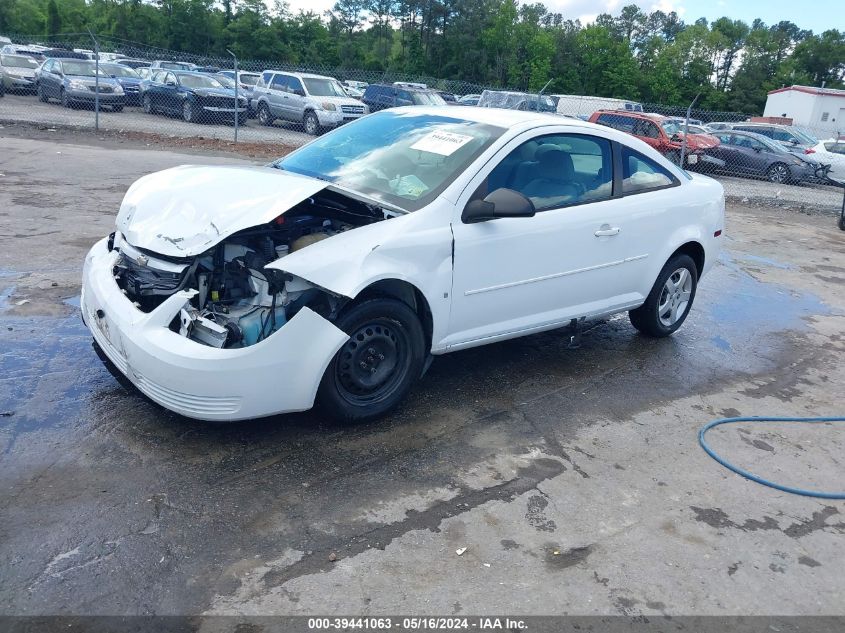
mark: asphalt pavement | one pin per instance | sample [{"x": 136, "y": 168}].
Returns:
[{"x": 525, "y": 477}]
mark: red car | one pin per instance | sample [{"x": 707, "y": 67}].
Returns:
[{"x": 663, "y": 134}]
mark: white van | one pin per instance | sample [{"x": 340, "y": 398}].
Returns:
[{"x": 582, "y": 106}]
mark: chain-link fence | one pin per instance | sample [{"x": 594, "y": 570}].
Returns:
[{"x": 766, "y": 161}]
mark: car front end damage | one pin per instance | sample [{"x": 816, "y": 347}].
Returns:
[{"x": 196, "y": 319}]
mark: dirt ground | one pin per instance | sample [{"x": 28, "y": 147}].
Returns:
[{"x": 572, "y": 476}]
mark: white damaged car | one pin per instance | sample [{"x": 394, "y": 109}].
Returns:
[{"x": 336, "y": 273}]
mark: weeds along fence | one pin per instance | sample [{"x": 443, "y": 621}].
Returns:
[{"x": 761, "y": 165}]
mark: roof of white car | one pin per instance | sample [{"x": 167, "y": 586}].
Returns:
[{"x": 498, "y": 116}]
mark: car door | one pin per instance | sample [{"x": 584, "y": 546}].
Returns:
[
  {"x": 277, "y": 96},
  {"x": 169, "y": 91},
  {"x": 584, "y": 252},
  {"x": 296, "y": 98},
  {"x": 52, "y": 79},
  {"x": 735, "y": 150}
]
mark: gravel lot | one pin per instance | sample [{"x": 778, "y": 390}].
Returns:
[
  {"x": 23, "y": 108},
  {"x": 572, "y": 477},
  {"x": 26, "y": 108}
]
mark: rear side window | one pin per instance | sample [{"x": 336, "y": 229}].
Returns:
[
  {"x": 279, "y": 82},
  {"x": 265, "y": 79},
  {"x": 640, "y": 173},
  {"x": 617, "y": 122}
]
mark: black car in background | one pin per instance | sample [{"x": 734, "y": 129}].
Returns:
[
  {"x": 755, "y": 155},
  {"x": 194, "y": 96},
  {"x": 382, "y": 96},
  {"x": 128, "y": 79}
]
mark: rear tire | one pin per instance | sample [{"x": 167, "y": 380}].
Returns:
[
  {"x": 670, "y": 300},
  {"x": 778, "y": 173},
  {"x": 374, "y": 370}
]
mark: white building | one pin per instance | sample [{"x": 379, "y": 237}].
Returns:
[{"x": 821, "y": 110}]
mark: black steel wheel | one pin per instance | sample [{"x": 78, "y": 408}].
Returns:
[{"x": 375, "y": 368}]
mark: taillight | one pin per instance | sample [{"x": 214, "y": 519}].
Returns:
[{"x": 809, "y": 150}]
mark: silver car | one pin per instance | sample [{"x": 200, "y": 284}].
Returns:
[
  {"x": 17, "y": 72},
  {"x": 316, "y": 101}
]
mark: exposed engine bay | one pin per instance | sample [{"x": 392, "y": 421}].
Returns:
[{"x": 237, "y": 302}]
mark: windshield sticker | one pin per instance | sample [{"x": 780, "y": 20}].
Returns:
[{"x": 442, "y": 143}]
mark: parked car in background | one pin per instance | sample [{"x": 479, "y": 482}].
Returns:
[
  {"x": 144, "y": 72},
  {"x": 411, "y": 84},
  {"x": 382, "y": 96},
  {"x": 471, "y": 99},
  {"x": 209, "y": 300},
  {"x": 36, "y": 52},
  {"x": 17, "y": 72},
  {"x": 751, "y": 154},
  {"x": 663, "y": 135},
  {"x": 128, "y": 78},
  {"x": 790, "y": 135},
  {"x": 316, "y": 101},
  {"x": 74, "y": 82},
  {"x": 583, "y": 106},
  {"x": 681, "y": 121},
  {"x": 832, "y": 152},
  {"x": 63, "y": 53},
  {"x": 172, "y": 65},
  {"x": 194, "y": 96},
  {"x": 516, "y": 101},
  {"x": 136, "y": 63},
  {"x": 246, "y": 86},
  {"x": 448, "y": 97},
  {"x": 353, "y": 92},
  {"x": 357, "y": 85}
]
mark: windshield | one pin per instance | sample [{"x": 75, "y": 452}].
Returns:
[
  {"x": 403, "y": 159},
  {"x": 805, "y": 136},
  {"x": 671, "y": 127},
  {"x": 18, "y": 61},
  {"x": 118, "y": 71},
  {"x": 80, "y": 68},
  {"x": 427, "y": 98},
  {"x": 199, "y": 81},
  {"x": 323, "y": 87},
  {"x": 249, "y": 80},
  {"x": 228, "y": 82}
]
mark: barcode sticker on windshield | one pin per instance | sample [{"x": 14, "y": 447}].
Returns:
[{"x": 443, "y": 143}]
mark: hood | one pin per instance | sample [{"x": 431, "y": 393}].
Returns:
[
  {"x": 183, "y": 211},
  {"x": 214, "y": 92},
  {"x": 338, "y": 100},
  {"x": 129, "y": 81},
  {"x": 702, "y": 141}
]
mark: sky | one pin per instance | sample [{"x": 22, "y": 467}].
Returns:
[{"x": 817, "y": 15}]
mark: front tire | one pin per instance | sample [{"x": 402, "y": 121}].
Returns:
[
  {"x": 374, "y": 370},
  {"x": 64, "y": 99},
  {"x": 147, "y": 104},
  {"x": 312, "y": 124},
  {"x": 188, "y": 112},
  {"x": 42, "y": 96},
  {"x": 264, "y": 116},
  {"x": 669, "y": 302}
]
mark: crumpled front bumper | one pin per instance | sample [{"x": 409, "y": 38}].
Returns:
[{"x": 278, "y": 375}]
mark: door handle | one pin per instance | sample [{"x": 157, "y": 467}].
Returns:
[{"x": 606, "y": 231}]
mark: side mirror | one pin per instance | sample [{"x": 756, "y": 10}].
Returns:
[
  {"x": 502, "y": 203},
  {"x": 758, "y": 148},
  {"x": 677, "y": 136},
  {"x": 170, "y": 83},
  {"x": 299, "y": 92}
]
